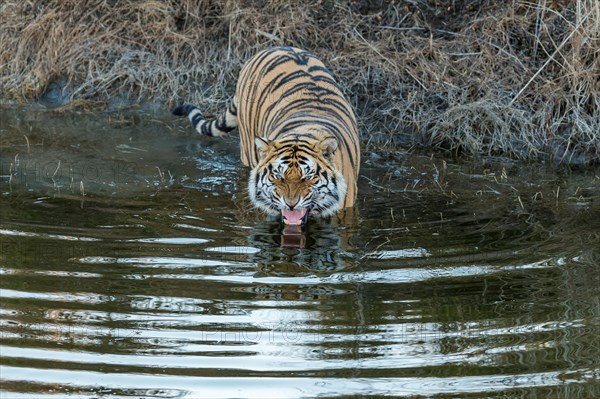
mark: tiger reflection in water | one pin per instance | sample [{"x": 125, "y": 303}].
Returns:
[{"x": 327, "y": 248}]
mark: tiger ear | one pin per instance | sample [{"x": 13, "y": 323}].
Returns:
[
  {"x": 328, "y": 147},
  {"x": 262, "y": 146}
]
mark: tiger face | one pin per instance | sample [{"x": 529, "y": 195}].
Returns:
[{"x": 295, "y": 178}]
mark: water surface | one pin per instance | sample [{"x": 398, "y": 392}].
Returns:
[{"x": 133, "y": 266}]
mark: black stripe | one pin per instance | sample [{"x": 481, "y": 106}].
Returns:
[
  {"x": 183, "y": 109},
  {"x": 302, "y": 57},
  {"x": 289, "y": 77},
  {"x": 275, "y": 62},
  {"x": 196, "y": 119},
  {"x": 232, "y": 109},
  {"x": 295, "y": 105},
  {"x": 319, "y": 68},
  {"x": 221, "y": 124},
  {"x": 299, "y": 146},
  {"x": 206, "y": 128},
  {"x": 307, "y": 87},
  {"x": 326, "y": 79}
]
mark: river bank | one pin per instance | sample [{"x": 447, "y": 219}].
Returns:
[{"x": 517, "y": 79}]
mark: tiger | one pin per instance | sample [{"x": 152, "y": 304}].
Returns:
[{"x": 298, "y": 135}]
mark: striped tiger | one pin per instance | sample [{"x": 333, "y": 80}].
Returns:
[{"x": 298, "y": 135}]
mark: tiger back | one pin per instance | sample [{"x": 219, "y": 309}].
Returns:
[{"x": 298, "y": 134}]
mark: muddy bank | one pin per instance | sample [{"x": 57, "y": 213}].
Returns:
[{"x": 480, "y": 77}]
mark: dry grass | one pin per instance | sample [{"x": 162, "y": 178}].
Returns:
[{"x": 518, "y": 78}]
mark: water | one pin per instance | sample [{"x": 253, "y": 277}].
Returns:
[{"x": 133, "y": 266}]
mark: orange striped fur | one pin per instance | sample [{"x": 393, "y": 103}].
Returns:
[{"x": 298, "y": 133}]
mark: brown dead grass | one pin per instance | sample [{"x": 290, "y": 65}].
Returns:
[{"x": 518, "y": 78}]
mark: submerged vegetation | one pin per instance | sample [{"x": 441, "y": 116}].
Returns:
[{"x": 518, "y": 78}]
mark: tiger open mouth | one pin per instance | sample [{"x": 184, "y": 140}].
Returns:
[{"x": 296, "y": 217}]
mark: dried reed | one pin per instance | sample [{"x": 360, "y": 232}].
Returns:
[{"x": 517, "y": 78}]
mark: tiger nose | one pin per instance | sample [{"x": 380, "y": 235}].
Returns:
[{"x": 291, "y": 202}]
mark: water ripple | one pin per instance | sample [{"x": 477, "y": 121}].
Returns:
[
  {"x": 484, "y": 289},
  {"x": 282, "y": 387}
]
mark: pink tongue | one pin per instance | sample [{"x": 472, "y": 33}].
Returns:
[{"x": 293, "y": 217}]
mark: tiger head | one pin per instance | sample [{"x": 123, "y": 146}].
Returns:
[{"x": 296, "y": 178}]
